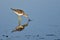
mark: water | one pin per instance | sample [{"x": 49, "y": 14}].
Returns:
[{"x": 45, "y": 16}]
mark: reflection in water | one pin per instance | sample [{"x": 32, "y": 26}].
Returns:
[
  {"x": 19, "y": 20},
  {"x": 20, "y": 27},
  {"x": 50, "y": 35},
  {"x": 20, "y": 13}
]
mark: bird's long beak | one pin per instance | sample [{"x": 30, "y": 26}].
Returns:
[{"x": 12, "y": 9}]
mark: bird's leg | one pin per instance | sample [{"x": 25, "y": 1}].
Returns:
[
  {"x": 19, "y": 20},
  {"x": 28, "y": 19},
  {"x": 26, "y": 15}
]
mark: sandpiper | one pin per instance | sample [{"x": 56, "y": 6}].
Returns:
[{"x": 20, "y": 12}]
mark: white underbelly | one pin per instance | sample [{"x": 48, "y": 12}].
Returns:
[{"x": 18, "y": 13}]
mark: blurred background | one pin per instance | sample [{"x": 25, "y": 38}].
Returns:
[{"x": 45, "y": 16}]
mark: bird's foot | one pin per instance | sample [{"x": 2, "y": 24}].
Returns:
[{"x": 29, "y": 20}]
